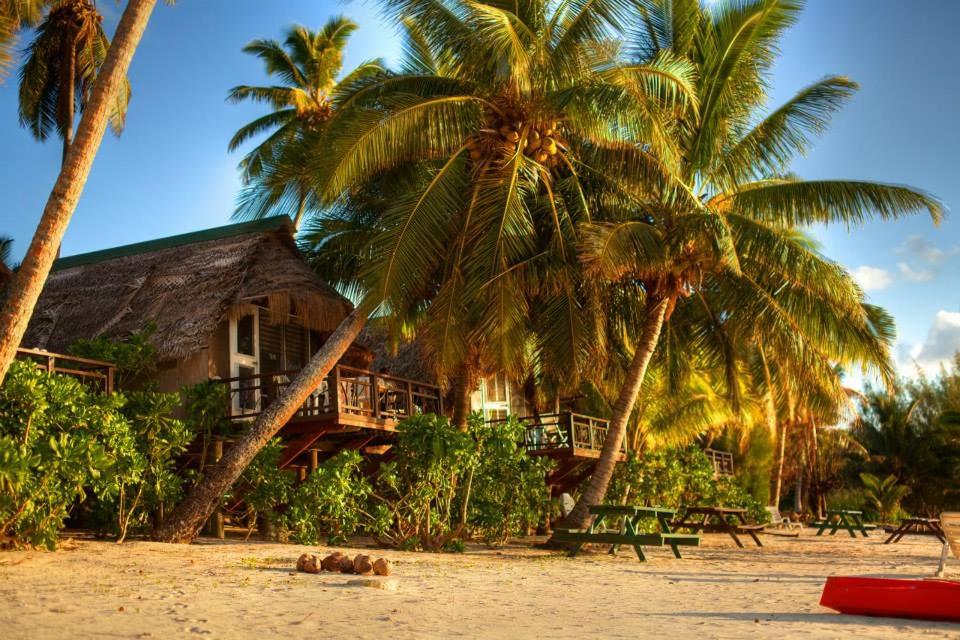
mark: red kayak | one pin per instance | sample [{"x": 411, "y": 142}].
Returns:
[{"x": 893, "y": 597}]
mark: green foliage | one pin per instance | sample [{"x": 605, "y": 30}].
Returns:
[
  {"x": 677, "y": 477},
  {"x": 145, "y": 477},
  {"x": 422, "y": 493},
  {"x": 910, "y": 434},
  {"x": 331, "y": 501},
  {"x": 884, "y": 495},
  {"x": 507, "y": 492},
  {"x": 266, "y": 486},
  {"x": 54, "y": 447},
  {"x": 134, "y": 356}
]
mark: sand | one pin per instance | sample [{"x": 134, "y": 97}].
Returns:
[{"x": 234, "y": 589}]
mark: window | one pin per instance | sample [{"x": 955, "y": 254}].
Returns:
[
  {"x": 247, "y": 396},
  {"x": 245, "y": 335}
]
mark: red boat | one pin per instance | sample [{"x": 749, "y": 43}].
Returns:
[{"x": 893, "y": 597}]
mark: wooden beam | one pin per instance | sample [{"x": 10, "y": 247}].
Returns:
[{"x": 295, "y": 447}]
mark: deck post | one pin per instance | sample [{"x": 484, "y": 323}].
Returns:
[
  {"x": 333, "y": 388},
  {"x": 374, "y": 404},
  {"x": 409, "y": 398},
  {"x": 109, "y": 383},
  {"x": 314, "y": 460}
]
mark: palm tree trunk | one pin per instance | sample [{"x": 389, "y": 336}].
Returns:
[
  {"x": 183, "y": 524},
  {"x": 462, "y": 388},
  {"x": 24, "y": 291},
  {"x": 778, "y": 481},
  {"x": 68, "y": 95},
  {"x": 815, "y": 487},
  {"x": 600, "y": 480}
]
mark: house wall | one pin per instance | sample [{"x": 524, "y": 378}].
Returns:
[
  {"x": 173, "y": 375},
  {"x": 219, "y": 353}
]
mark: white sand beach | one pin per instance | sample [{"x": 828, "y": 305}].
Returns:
[{"x": 235, "y": 589}]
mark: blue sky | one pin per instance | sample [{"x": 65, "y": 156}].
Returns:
[{"x": 170, "y": 172}]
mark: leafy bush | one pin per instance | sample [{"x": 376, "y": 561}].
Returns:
[
  {"x": 145, "y": 478},
  {"x": 331, "y": 500},
  {"x": 422, "y": 495},
  {"x": 265, "y": 487},
  {"x": 883, "y": 495},
  {"x": 506, "y": 491},
  {"x": 54, "y": 447},
  {"x": 676, "y": 477},
  {"x": 134, "y": 356}
]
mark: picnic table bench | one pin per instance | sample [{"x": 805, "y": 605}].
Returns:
[
  {"x": 628, "y": 531},
  {"x": 851, "y": 521},
  {"x": 717, "y": 520},
  {"x": 918, "y": 526}
]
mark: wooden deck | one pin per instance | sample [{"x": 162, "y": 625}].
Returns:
[
  {"x": 350, "y": 409},
  {"x": 573, "y": 440},
  {"x": 95, "y": 374},
  {"x": 567, "y": 435}
]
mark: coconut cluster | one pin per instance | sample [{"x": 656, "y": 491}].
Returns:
[
  {"x": 315, "y": 118},
  {"x": 503, "y": 132},
  {"x": 74, "y": 14}
]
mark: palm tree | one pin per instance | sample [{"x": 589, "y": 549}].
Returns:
[
  {"x": 737, "y": 204},
  {"x": 57, "y": 78},
  {"x": 14, "y": 15},
  {"x": 25, "y": 289},
  {"x": 499, "y": 109},
  {"x": 308, "y": 64}
]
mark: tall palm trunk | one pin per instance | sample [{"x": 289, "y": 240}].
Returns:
[
  {"x": 462, "y": 388},
  {"x": 183, "y": 524},
  {"x": 24, "y": 291},
  {"x": 816, "y": 496},
  {"x": 600, "y": 480},
  {"x": 781, "y": 454},
  {"x": 68, "y": 93}
]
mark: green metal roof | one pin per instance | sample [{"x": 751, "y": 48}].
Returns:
[{"x": 272, "y": 223}]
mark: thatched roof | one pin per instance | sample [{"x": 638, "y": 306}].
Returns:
[{"x": 185, "y": 285}]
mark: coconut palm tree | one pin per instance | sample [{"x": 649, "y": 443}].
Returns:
[
  {"x": 23, "y": 292},
  {"x": 499, "y": 107},
  {"x": 58, "y": 75},
  {"x": 15, "y": 15},
  {"x": 738, "y": 204},
  {"x": 307, "y": 63}
]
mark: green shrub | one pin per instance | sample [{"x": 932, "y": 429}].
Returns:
[
  {"x": 55, "y": 440},
  {"x": 677, "y": 477},
  {"x": 145, "y": 477},
  {"x": 266, "y": 487},
  {"x": 507, "y": 494},
  {"x": 330, "y": 501}
]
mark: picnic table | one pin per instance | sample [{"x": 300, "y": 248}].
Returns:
[
  {"x": 627, "y": 530},
  {"x": 918, "y": 526},
  {"x": 717, "y": 520},
  {"x": 851, "y": 521}
]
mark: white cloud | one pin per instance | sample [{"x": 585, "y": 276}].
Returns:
[
  {"x": 915, "y": 275},
  {"x": 872, "y": 278},
  {"x": 943, "y": 341},
  {"x": 921, "y": 248}
]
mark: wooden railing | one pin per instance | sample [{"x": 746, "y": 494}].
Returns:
[
  {"x": 565, "y": 431},
  {"x": 345, "y": 390},
  {"x": 722, "y": 461},
  {"x": 95, "y": 374}
]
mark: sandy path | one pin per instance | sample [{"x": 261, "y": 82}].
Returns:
[{"x": 248, "y": 590}]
